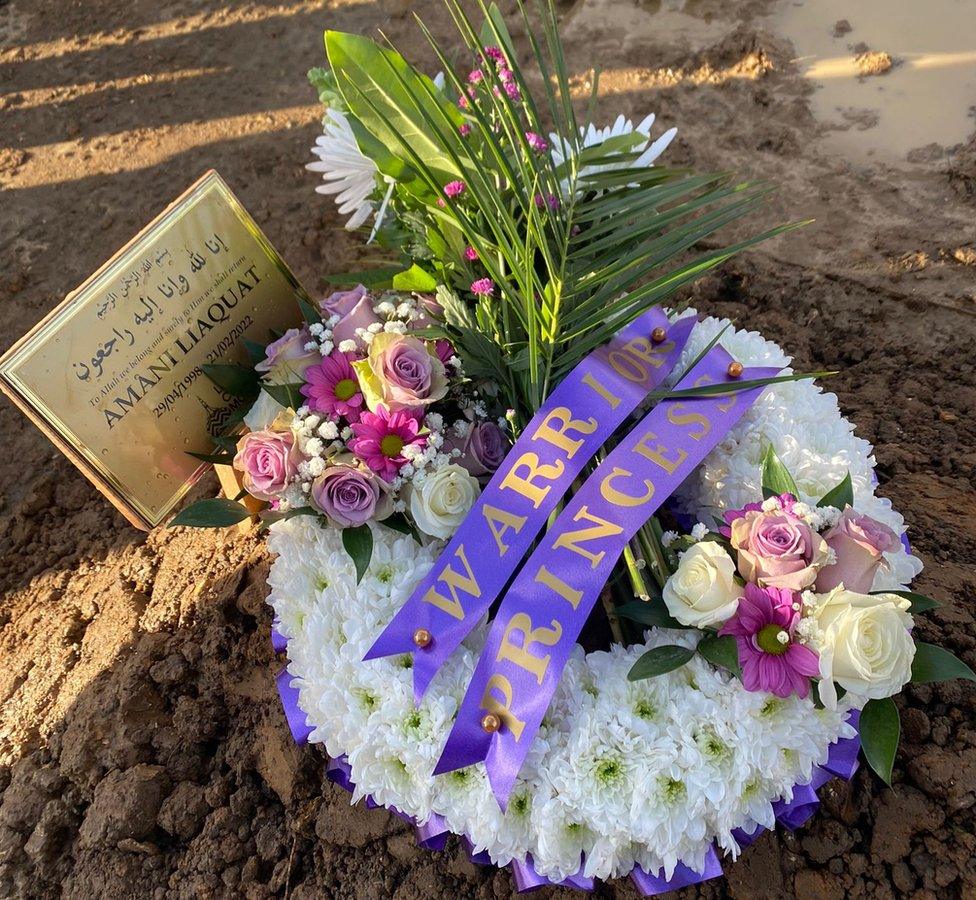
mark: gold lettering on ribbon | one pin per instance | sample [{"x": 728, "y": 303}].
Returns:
[
  {"x": 495, "y": 517},
  {"x": 590, "y": 381},
  {"x": 525, "y": 485},
  {"x": 676, "y": 417},
  {"x": 569, "y": 594},
  {"x": 571, "y": 540},
  {"x": 454, "y": 581},
  {"x": 520, "y": 655},
  {"x": 656, "y": 454},
  {"x": 502, "y": 709},
  {"x": 557, "y": 436},
  {"x": 725, "y": 405},
  {"x": 643, "y": 349},
  {"x": 618, "y": 498}
]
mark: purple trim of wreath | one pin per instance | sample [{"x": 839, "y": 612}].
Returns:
[{"x": 841, "y": 762}]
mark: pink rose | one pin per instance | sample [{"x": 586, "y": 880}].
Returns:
[
  {"x": 354, "y": 309},
  {"x": 286, "y": 359},
  {"x": 350, "y": 496},
  {"x": 859, "y": 543},
  {"x": 777, "y": 549},
  {"x": 406, "y": 373},
  {"x": 268, "y": 460}
]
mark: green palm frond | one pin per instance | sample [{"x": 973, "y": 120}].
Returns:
[{"x": 576, "y": 251}]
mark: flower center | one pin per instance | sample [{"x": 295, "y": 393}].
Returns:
[
  {"x": 769, "y": 641},
  {"x": 391, "y": 445},
  {"x": 345, "y": 389}
]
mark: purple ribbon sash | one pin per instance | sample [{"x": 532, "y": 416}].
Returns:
[
  {"x": 575, "y": 421},
  {"x": 552, "y": 596}
]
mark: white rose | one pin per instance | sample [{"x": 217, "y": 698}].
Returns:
[
  {"x": 864, "y": 644},
  {"x": 439, "y": 505},
  {"x": 703, "y": 590},
  {"x": 263, "y": 413}
]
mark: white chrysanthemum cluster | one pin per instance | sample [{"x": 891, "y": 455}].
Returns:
[
  {"x": 622, "y": 772},
  {"x": 806, "y": 429}
]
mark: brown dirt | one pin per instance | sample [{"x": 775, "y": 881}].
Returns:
[{"x": 143, "y": 750}]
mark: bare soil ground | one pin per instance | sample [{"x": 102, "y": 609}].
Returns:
[{"x": 143, "y": 750}]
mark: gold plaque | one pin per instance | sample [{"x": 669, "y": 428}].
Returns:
[{"x": 112, "y": 376}]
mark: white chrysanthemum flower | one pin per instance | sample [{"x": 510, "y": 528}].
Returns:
[
  {"x": 592, "y": 136},
  {"x": 348, "y": 173}
]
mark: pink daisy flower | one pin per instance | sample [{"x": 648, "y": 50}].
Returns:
[
  {"x": 331, "y": 387},
  {"x": 483, "y": 287},
  {"x": 764, "y": 628},
  {"x": 381, "y": 437}
]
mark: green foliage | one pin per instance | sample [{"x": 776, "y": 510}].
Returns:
[
  {"x": 325, "y": 86},
  {"x": 217, "y": 459},
  {"x": 776, "y": 478},
  {"x": 933, "y": 663},
  {"x": 653, "y": 615},
  {"x": 721, "y": 651},
  {"x": 239, "y": 381},
  {"x": 920, "y": 603},
  {"x": 288, "y": 395},
  {"x": 415, "y": 279},
  {"x": 659, "y": 661},
  {"x": 359, "y": 545},
  {"x": 880, "y": 729},
  {"x": 840, "y": 496},
  {"x": 215, "y": 513}
]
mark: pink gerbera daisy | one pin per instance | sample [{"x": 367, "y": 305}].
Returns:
[
  {"x": 332, "y": 387},
  {"x": 381, "y": 437},
  {"x": 764, "y": 628}
]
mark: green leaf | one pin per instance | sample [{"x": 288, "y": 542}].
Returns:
[
  {"x": 392, "y": 100},
  {"x": 215, "y": 513},
  {"x": 840, "y": 496},
  {"x": 415, "y": 279},
  {"x": 239, "y": 381},
  {"x": 658, "y": 661},
  {"x": 920, "y": 603},
  {"x": 288, "y": 395},
  {"x": 399, "y": 522},
  {"x": 933, "y": 663},
  {"x": 270, "y": 516},
  {"x": 359, "y": 545},
  {"x": 309, "y": 312},
  {"x": 654, "y": 615},
  {"x": 217, "y": 459},
  {"x": 256, "y": 351},
  {"x": 880, "y": 729},
  {"x": 379, "y": 277},
  {"x": 776, "y": 478},
  {"x": 721, "y": 651}
]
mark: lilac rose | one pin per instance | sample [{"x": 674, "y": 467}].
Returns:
[
  {"x": 404, "y": 374},
  {"x": 286, "y": 359},
  {"x": 484, "y": 449},
  {"x": 776, "y": 548},
  {"x": 268, "y": 461},
  {"x": 859, "y": 543},
  {"x": 350, "y": 496},
  {"x": 354, "y": 309}
]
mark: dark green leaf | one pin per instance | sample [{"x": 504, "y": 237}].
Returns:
[
  {"x": 414, "y": 279},
  {"x": 654, "y": 615},
  {"x": 840, "y": 496},
  {"x": 658, "y": 661},
  {"x": 359, "y": 545},
  {"x": 920, "y": 603},
  {"x": 270, "y": 516},
  {"x": 288, "y": 395},
  {"x": 880, "y": 729},
  {"x": 255, "y": 351},
  {"x": 399, "y": 522},
  {"x": 239, "y": 381},
  {"x": 933, "y": 663},
  {"x": 721, "y": 651},
  {"x": 215, "y": 513},
  {"x": 776, "y": 478},
  {"x": 225, "y": 442},
  {"x": 309, "y": 312},
  {"x": 217, "y": 459},
  {"x": 378, "y": 277}
]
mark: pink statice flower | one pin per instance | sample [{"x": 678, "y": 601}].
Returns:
[
  {"x": 764, "y": 628},
  {"x": 464, "y": 130},
  {"x": 470, "y": 254},
  {"x": 483, "y": 287},
  {"x": 331, "y": 387},
  {"x": 475, "y": 76},
  {"x": 454, "y": 189},
  {"x": 536, "y": 141},
  {"x": 495, "y": 54},
  {"x": 541, "y": 202},
  {"x": 379, "y": 439}
]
